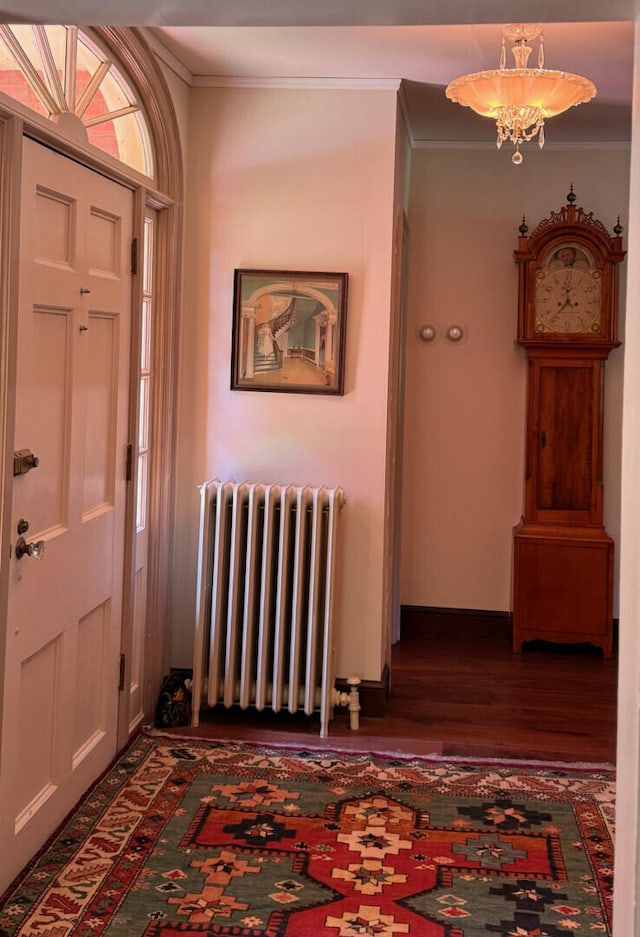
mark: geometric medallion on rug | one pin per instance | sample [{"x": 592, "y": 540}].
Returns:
[{"x": 184, "y": 838}]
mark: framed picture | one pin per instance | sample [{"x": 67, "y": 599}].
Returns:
[{"x": 289, "y": 331}]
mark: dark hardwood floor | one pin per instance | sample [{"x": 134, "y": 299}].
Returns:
[{"x": 457, "y": 688}]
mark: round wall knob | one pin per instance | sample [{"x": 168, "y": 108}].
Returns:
[
  {"x": 455, "y": 333},
  {"x": 427, "y": 333}
]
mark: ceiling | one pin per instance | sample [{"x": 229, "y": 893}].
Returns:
[
  {"x": 426, "y": 58},
  {"x": 375, "y": 43}
]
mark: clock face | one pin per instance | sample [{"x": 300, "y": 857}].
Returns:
[{"x": 568, "y": 293}]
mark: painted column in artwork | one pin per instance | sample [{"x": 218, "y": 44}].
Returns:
[
  {"x": 330, "y": 345},
  {"x": 319, "y": 322},
  {"x": 248, "y": 338}
]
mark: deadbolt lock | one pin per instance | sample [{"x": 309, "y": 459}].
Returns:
[{"x": 23, "y": 461}]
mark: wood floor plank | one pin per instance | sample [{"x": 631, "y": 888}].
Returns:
[{"x": 456, "y": 690}]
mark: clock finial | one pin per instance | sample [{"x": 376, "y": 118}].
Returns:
[
  {"x": 618, "y": 229},
  {"x": 571, "y": 197},
  {"x": 523, "y": 229}
]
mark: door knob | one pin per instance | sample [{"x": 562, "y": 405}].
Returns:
[{"x": 35, "y": 549}]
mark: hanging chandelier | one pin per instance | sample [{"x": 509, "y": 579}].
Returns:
[{"x": 520, "y": 99}]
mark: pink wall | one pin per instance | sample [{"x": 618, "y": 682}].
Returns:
[
  {"x": 302, "y": 180},
  {"x": 465, "y": 403}
]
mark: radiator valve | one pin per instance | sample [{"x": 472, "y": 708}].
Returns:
[
  {"x": 352, "y": 700},
  {"x": 354, "y": 703}
]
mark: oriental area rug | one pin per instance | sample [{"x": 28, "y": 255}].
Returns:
[{"x": 183, "y": 838}]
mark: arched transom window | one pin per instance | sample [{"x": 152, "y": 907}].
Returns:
[{"x": 63, "y": 74}]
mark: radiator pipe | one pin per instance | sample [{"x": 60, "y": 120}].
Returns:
[
  {"x": 354, "y": 703},
  {"x": 350, "y": 699}
]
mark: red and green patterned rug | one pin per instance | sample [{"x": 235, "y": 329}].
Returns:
[{"x": 184, "y": 838}]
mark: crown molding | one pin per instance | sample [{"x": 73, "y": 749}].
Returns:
[
  {"x": 167, "y": 57},
  {"x": 332, "y": 84}
]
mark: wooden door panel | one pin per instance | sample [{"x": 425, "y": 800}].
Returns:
[
  {"x": 105, "y": 236},
  {"x": 60, "y": 700},
  {"x": 55, "y": 224},
  {"x": 40, "y": 714},
  {"x": 100, "y": 359},
  {"x": 566, "y": 425},
  {"x": 43, "y": 418},
  {"x": 91, "y": 676}
]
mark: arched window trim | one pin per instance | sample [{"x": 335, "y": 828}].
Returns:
[
  {"x": 138, "y": 61},
  {"x": 39, "y": 128},
  {"x": 62, "y": 98}
]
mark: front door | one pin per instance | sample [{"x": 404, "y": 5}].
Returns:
[{"x": 66, "y": 589}]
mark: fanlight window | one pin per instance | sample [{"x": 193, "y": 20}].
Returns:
[{"x": 61, "y": 73}]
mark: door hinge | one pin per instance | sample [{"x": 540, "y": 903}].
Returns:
[
  {"x": 121, "y": 676},
  {"x": 134, "y": 256},
  {"x": 128, "y": 472}
]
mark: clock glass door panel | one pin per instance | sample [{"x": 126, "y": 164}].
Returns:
[{"x": 565, "y": 427}]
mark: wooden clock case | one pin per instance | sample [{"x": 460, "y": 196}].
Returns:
[{"x": 563, "y": 557}]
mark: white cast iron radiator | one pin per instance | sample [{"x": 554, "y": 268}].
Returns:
[{"x": 266, "y": 573}]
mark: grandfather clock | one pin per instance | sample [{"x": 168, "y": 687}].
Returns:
[{"x": 567, "y": 322}]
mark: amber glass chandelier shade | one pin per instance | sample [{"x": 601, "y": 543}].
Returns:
[
  {"x": 520, "y": 99},
  {"x": 550, "y": 92}
]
